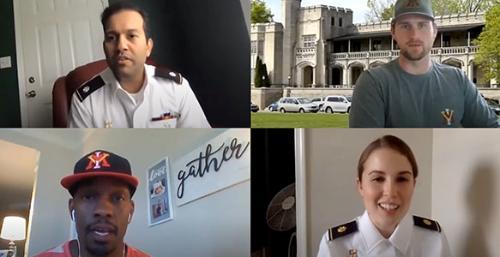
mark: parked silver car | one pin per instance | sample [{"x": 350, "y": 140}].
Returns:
[
  {"x": 336, "y": 103},
  {"x": 296, "y": 104},
  {"x": 319, "y": 101}
]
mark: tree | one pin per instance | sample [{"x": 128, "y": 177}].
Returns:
[
  {"x": 257, "y": 79},
  {"x": 261, "y": 78},
  {"x": 384, "y": 9},
  {"x": 380, "y": 10},
  {"x": 267, "y": 81},
  {"x": 260, "y": 13},
  {"x": 488, "y": 56},
  {"x": 445, "y": 7}
]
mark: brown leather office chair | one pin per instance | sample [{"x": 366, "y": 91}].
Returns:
[{"x": 65, "y": 86}]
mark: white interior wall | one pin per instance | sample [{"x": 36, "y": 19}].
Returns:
[
  {"x": 331, "y": 162},
  {"x": 465, "y": 194},
  {"x": 49, "y": 197}
]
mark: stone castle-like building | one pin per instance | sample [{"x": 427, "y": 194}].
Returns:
[{"x": 320, "y": 47}]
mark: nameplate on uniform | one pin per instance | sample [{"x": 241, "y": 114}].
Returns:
[
  {"x": 168, "y": 74},
  {"x": 166, "y": 116},
  {"x": 426, "y": 223},
  {"x": 342, "y": 230},
  {"x": 89, "y": 87}
]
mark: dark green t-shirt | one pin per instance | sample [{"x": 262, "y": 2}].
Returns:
[{"x": 388, "y": 96}]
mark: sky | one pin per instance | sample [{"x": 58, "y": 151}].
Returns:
[{"x": 358, "y": 7}]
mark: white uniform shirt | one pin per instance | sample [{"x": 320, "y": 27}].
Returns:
[
  {"x": 407, "y": 240},
  {"x": 165, "y": 101}
]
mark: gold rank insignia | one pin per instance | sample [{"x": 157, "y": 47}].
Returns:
[
  {"x": 353, "y": 253},
  {"x": 342, "y": 230},
  {"x": 426, "y": 223}
]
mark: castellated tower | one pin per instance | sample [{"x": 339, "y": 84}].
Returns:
[{"x": 290, "y": 9}]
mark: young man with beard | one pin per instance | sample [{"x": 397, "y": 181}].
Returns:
[
  {"x": 102, "y": 187},
  {"x": 130, "y": 93},
  {"x": 413, "y": 90}
]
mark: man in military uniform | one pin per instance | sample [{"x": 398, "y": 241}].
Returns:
[
  {"x": 413, "y": 90},
  {"x": 101, "y": 187},
  {"x": 129, "y": 93}
]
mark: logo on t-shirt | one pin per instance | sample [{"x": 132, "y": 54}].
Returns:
[{"x": 448, "y": 116}]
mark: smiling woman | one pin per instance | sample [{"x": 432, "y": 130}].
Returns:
[{"x": 387, "y": 172}]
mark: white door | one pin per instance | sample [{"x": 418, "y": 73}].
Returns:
[{"x": 52, "y": 38}]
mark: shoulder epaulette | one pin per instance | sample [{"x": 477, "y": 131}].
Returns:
[
  {"x": 426, "y": 223},
  {"x": 342, "y": 230},
  {"x": 88, "y": 87},
  {"x": 168, "y": 74}
]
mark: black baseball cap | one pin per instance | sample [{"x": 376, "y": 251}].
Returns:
[{"x": 101, "y": 163}]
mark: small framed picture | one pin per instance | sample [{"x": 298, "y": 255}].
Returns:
[
  {"x": 5, "y": 253},
  {"x": 159, "y": 197}
]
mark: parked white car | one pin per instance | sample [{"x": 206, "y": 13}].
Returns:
[
  {"x": 296, "y": 104},
  {"x": 319, "y": 101},
  {"x": 336, "y": 103}
]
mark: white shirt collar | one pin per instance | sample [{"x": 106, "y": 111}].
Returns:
[
  {"x": 370, "y": 233},
  {"x": 400, "y": 238},
  {"x": 110, "y": 78}
]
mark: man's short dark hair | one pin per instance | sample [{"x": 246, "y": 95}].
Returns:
[
  {"x": 74, "y": 189},
  {"x": 125, "y": 6}
]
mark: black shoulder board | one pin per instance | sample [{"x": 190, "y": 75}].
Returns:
[
  {"x": 342, "y": 230},
  {"x": 426, "y": 223},
  {"x": 168, "y": 74},
  {"x": 88, "y": 87}
]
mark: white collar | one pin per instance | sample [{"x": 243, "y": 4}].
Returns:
[
  {"x": 400, "y": 238},
  {"x": 109, "y": 78}
]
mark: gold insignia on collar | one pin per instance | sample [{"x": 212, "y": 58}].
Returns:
[
  {"x": 427, "y": 222},
  {"x": 353, "y": 253},
  {"x": 341, "y": 229}
]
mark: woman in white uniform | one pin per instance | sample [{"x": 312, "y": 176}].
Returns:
[{"x": 387, "y": 172}]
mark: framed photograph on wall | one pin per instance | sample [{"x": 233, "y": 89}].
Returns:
[
  {"x": 5, "y": 253},
  {"x": 159, "y": 197}
]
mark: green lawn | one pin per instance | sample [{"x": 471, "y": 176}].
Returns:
[{"x": 299, "y": 120}]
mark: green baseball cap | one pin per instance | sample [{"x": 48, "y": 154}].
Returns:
[{"x": 419, "y": 7}]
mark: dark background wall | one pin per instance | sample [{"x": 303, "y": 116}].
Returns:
[
  {"x": 206, "y": 41},
  {"x": 217, "y": 57},
  {"x": 10, "y": 115},
  {"x": 272, "y": 169}
]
